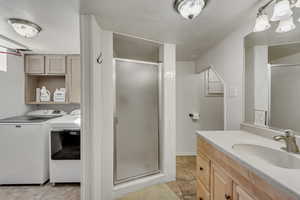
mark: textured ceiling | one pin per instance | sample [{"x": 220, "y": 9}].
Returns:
[{"x": 157, "y": 20}]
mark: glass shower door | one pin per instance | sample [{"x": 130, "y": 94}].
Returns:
[{"x": 136, "y": 138}]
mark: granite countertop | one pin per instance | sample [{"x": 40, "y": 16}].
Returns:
[{"x": 287, "y": 180}]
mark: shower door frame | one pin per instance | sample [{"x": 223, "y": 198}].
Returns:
[{"x": 159, "y": 66}]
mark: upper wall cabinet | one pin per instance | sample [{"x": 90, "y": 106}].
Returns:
[
  {"x": 35, "y": 64},
  {"x": 53, "y": 72},
  {"x": 49, "y": 64},
  {"x": 73, "y": 68},
  {"x": 55, "y": 64}
]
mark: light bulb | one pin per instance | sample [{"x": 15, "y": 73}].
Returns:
[
  {"x": 297, "y": 4},
  {"x": 286, "y": 25},
  {"x": 282, "y": 10},
  {"x": 262, "y": 23}
]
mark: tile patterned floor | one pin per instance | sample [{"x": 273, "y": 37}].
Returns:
[
  {"x": 185, "y": 185},
  {"x": 45, "y": 192},
  {"x": 155, "y": 192}
]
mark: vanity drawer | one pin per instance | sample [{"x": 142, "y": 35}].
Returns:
[
  {"x": 202, "y": 193},
  {"x": 203, "y": 171}
]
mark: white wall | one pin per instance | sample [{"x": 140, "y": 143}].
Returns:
[
  {"x": 168, "y": 58},
  {"x": 211, "y": 108},
  {"x": 107, "y": 84},
  {"x": 227, "y": 58},
  {"x": 190, "y": 97},
  {"x": 12, "y": 88},
  {"x": 187, "y": 101},
  {"x": 90, "y": 34}
]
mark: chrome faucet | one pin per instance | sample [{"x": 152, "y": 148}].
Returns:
[{"x": 290, "y": 140}]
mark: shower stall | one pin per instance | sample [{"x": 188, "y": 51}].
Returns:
[{"x": 136, "y": 119}]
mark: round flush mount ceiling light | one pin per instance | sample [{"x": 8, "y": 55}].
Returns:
[
  {"x": 24, "y": 27},
  {"x": 282, "y": 10},
  {"x": 262, "y": 23},
  {"x": 189, "y": 9}
]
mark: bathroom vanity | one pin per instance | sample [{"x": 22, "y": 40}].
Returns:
[
  {"x": 239, "y": 165},
  {"x": 249, "y": 164}
]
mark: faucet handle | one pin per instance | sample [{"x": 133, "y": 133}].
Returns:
[{"x": 289, "y": 133}]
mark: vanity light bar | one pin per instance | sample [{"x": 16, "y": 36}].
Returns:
[
  {"x": 282, "y": 12},
  {"x": 261, "y": 9}
]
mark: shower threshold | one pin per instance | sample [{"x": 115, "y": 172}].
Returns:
[{"x": 133, "y": 178}]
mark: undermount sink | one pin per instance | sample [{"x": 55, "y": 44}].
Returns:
[{"x": 275, "y": 157}]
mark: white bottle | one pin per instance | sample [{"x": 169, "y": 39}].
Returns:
[
  {"x": 45, "y": 94},
  {"x": 59, "y": 95},
  {"x": 37, "y": 94}
]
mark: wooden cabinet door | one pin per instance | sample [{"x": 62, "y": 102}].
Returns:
[
  {"x": 55, "y": 64},
  {"x": 35, "y": 64},
  {"x": 221, "y": 184},
  {"x": 240, "y": 194},
  {"x": 202, "y": 193},
  {"x": 74, "y": 84},
  {"x": 203, "y": 170}
]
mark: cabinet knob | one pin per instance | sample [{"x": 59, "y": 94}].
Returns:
[
  {"x": 200, "y": 198},
  {"x": 201, "y": 168},
  {"x": 227, "y": 197}
]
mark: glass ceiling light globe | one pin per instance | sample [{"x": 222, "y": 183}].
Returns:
[
  {"x": 262, "y": 23},
  {"x": 286, "y": 25},
  {"x": 25, "y": 28},
  {"x": 189, "y": 9},
  {"x": 282, "y": 10}
]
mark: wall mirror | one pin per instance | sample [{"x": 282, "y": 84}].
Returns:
[{"x": 272, "y": 79}]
